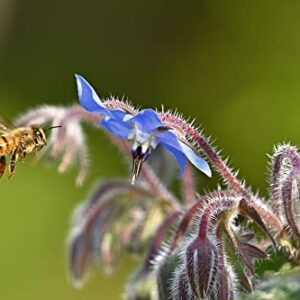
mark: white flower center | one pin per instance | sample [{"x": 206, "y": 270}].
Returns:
[{"x": 141, "y": 139}]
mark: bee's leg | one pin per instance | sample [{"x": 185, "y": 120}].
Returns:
[
  {"x": 13, "y": 160},
  {"x": 23, "y": 152},
  {"x": 2, "y": 165}
]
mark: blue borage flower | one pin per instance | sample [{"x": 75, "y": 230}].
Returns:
[{"x": 145, "y": 129}]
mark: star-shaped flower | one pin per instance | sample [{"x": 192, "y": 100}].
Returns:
[{"x": 144, "y": 129}]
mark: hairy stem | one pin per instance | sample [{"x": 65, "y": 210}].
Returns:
[
  {"x": 219, "y": 164},
  {"x": 211, "y": 211},
  {"x": 188, "y": 185}
]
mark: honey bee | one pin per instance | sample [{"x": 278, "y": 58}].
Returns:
[{"x": 16, "y": 142}]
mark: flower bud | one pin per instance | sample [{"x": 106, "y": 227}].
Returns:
[
  {"x": 181, "y": 288},
  {"x": 201, "y": 265}
]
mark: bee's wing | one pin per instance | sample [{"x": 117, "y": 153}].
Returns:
[{"x": 5, "y": 124}]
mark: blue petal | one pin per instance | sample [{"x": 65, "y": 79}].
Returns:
[
  {"x": 170, "y": 141},
  {"x": 119, "y": 115},
  {"x": 196, "y": 160},
  {"x": 167, "y": 138},
  {"x": 147, "y": 120},
  {"x": 181, "y": 159},
  {"x": 118, "y": 128},
  {"x": 88, "y": 97}
]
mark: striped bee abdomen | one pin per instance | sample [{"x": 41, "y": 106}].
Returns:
[{"x": 4, "y": 145}]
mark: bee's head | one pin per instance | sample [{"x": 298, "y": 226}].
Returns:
[{"x": 39, "y": 136}]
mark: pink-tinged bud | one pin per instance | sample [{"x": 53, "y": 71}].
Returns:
[
  {"x": 290, "y": 194},
  {"x": 80, "y": 260},
  {"x": 201, "y": 265},
  {"x": 225, "y": 289},
  {"x": 181, "y": 289},
  {"x": 285, "y": 183},
  {"x": 92, "y": 235}
]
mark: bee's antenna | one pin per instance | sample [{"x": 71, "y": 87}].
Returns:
[{"x": 52, "y": 127}]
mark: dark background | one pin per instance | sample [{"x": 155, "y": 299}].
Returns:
[{"x": 232, "y": 65}]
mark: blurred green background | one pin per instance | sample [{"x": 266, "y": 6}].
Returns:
[{"x": 234, "y": 65}]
